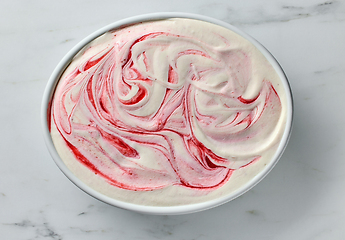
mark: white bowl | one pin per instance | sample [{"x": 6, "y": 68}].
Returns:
[{"x": 152, "y": 209}]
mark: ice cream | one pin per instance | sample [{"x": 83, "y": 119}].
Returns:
[{"x": 168, "y": 112}]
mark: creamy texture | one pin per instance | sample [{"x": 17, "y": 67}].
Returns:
[{"x": 168, "y": 112}]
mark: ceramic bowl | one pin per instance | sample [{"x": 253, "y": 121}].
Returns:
[{"x": 151, "y": 209}]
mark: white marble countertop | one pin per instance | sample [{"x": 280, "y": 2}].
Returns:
[{"x": 302, "y": 198}]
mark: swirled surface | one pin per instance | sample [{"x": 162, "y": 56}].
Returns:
[{"x": 160, "y": 104}]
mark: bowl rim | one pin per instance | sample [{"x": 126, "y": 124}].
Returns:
[{"x": 163, "y": 210}]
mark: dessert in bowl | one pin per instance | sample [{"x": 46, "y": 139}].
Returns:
[{"x": 167, "y": 113}]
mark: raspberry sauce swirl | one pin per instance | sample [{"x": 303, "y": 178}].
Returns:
[{"x": 146, "y": 107}]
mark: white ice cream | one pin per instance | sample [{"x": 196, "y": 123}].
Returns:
[{"x": 168, "y": 112}]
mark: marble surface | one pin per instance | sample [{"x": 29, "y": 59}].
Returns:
[{"x": 302, "y": 198}]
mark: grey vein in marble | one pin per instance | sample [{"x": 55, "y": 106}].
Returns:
[
  {"x": 270, "y": 13},
  {"x": 41, "y": 229}
]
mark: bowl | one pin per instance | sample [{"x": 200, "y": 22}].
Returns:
[{"x": 175, "y": 209}]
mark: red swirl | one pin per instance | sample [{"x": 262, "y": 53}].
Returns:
[{"x": 141, "y": 113}]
